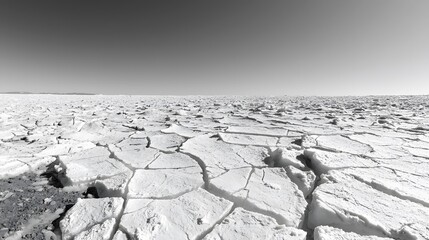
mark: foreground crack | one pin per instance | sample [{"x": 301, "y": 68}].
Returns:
[
  {"x": 121, "y": 213},
  {"x": 204, "y": 234},
  {"x": 203, "y": 168},
  {"x": 309, "y": 198},
  {"x": 244, "y": 203}
]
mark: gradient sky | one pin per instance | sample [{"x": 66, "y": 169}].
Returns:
[{"x": 253, "y": 47}]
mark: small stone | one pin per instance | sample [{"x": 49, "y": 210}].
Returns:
[{"x": 47, "y": 200}]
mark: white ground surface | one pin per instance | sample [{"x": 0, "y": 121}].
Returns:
[{"x": 228, "y": 167}]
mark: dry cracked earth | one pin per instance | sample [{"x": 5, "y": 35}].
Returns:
[{"x": 134, "y": 167}]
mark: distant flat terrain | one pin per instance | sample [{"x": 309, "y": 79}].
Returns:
[{"x": 170, "y": 167}]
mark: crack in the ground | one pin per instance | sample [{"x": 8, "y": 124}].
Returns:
[
  {"x": 157, "y": 155},
  {"x": 238, "y": 201},
  {"x": 244, "y": 203},
  {"x": 205, "y": 233},
  {"x": 388, "y": 191},
  {"x": 121, "y": 213},
  {"x": 309, "y": 198},
  {"x": 148, "y": 142},
  {"x": 244, "y": 160},
  {"x": 113, "y": 155},
  {"x": 357, "y": 141},
  {"x": 203, "y": 168}
]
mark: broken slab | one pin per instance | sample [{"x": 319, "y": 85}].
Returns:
[
  {"x": 413, "y": 165},
  {"x": 346, "y": 203},
  {"x": 290, "y": 142},
  {"x": 166, "y": 142},
  {"x": 203, "y": 124},
  {"x": 405, "y": 185},
  {"x": 181, "y": 131},
  {"x": 81, "y": 146},
  {"x": 36, "y": 163},
  {"x": 100, "y": 137},
  {"x": 324, "y": 161},
  {"x": 387, "y": 152},
  {"x": 371, "y": 139},
  {"x": 282, "y": 157},
  {"x": 217, "y": 156},
  {"x": 113, "y": 137},
  {"x": 343, "y": 144},
  {"x": 243, "y": 224},
  {"x": 304, "y": 180},
  {"x": 258, "y": 130},
  {"x": 89, "y": 165},
  {"x": 253, "y": 155},
  {"x": 64, "y": 148},
  {"x": 55, "y": 150},
  {"x": 153, "y": 115},
  {"x": 275, "y": 183},
  {"x": 89, "y": 212},
  {"x": 135, "y": 158},
  {"x": 82, "y": 136},
  {"x": 329, "y": 233},
  {"x": 264, "y": 191},
  {"x": 238, "y": 121},
  {"x": 308, "y": 141},
  {"x": 189, "y": 216},
  {"x": 102, "y": 231},
  {"x": 133, "y": 144},
  {"x": 173, "y": 160},
  {"x": 232, "y": 181},
  {"x": 164, "y": 183},
  {"x": 12, "y": 166},
  {"x": 418, "y": 152},
  {"x": 402, "y": 177},
  {"x": 244, "y": 139},
  {"x": 114, "y": 186}
]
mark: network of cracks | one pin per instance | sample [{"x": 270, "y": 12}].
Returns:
[{"x": 134, "y": 167}]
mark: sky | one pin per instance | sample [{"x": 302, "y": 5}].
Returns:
[{"x": 222, "y": 47}]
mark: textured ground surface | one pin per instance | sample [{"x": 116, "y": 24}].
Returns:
[{"x": 131, "y": 167}]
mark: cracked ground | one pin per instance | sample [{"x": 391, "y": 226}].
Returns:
[{"x": 140, "y": 167}]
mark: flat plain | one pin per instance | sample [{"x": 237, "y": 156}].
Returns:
[{"x": 200, "y": 167}]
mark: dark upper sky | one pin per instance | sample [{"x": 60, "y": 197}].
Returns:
[{"x": 253, "y": 47}]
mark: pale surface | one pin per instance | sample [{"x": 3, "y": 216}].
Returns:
[{"x": 226, "y": 167}]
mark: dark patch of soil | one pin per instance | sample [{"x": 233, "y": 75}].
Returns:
[{"x": 29, "y": 196}]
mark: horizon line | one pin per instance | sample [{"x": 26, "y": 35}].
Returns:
[{"x": 197, "y": 95}]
